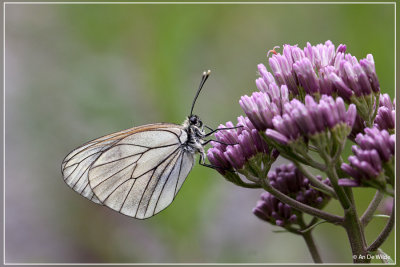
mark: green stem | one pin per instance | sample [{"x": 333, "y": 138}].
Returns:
[
  {"x": 234, "y": 178},
  {"x": 312, "y": 247},
  {"x": 352, "y": 224},
  {"x": 373, "y": 205},
  {"x": 377, "y": 96},
  {"x": 300, "y": 206},
  {"x": 249, "y": 185},
  {"x": 309, "y": 241},
  {"x": 334, "y": 179},
  {"x": 287, "y": 153},
  {"x": 339, "y": 151},
  {"x": 384, "y": 234},
  {"x": 315, "y": 181},
  {"x": 312, "y": 162},
  {"x": 356, "y": 237}
]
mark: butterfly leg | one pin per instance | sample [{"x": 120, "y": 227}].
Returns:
[
  {"x": 211, "y": 140},
  {"x": 219, "y": 129},
  {"x": 202, "y": 162}
]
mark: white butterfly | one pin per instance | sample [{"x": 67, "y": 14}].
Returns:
[{"x": 138, "y": 171}]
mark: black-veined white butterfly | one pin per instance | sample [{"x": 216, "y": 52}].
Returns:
[{"x": 138, "y": 171}]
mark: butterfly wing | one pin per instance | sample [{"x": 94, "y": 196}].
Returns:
[
  {"x": 76, "y": 165},
  {"x": 137, "y": 172}
]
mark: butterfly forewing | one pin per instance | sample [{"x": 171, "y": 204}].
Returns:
[
  {"x": 76, "y": 165},
  {"x": 136, "y": 172}
]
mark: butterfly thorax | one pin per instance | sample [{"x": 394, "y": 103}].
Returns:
[{"x": 195, "y": 132}]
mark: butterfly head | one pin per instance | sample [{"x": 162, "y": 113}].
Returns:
[
  {"x": 195, "y": 129},
  {"x": 194, "y": 120}
]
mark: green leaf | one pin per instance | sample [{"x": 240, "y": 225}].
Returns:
[
  {"x": 280, "y": 231},
  {"x": 312, "y": 226},
  {"x": 381, "y": 216}
]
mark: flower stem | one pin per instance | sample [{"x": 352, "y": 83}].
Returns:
[
  {"x": 352, "y": 224},
  {"x": 373, "y": 205},
  {"x": 334, "y": 179},
  {"x": 300, "y": 206},
  {"x": 309, "y": 241},
  {"x": 384, "y": 234},
  {"x": 355, "y": 234},
  {"x": 312, "y": 247},
  {"x": 315, "y": 181}
]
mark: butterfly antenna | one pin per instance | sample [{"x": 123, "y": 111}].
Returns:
[{"x": 204, "y": 78}]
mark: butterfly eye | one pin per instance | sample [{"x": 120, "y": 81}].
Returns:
[{"x": 193, "y": 120}]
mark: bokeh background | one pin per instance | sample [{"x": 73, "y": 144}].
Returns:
[{"x": 77, "y": 72}]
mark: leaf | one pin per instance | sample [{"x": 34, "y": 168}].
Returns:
[
  {"x": 322, "y": 191},
  {"x": 280, "y": 231},
  {"x": 381, "y": 216},
  {"x": 312, "y": 226}
]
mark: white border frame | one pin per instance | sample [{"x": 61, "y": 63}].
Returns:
[{"x": 183, "y": 3}]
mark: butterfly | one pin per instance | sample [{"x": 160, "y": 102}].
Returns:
[{"x": 138, "y": 171}]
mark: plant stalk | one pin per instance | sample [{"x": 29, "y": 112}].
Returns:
[
  {"x": 384, "y": 234},
  {"x": 315, "y": 181},
  {"x": 309, "y": 240},
  {"x": 355, "y": 233},
  {"x": 352, "y": 224},
  {"x": 300, "y": 206},
  {"x": 373, "y": 205},
  {"x": 340, "y": 192},
  {"x": 312, "y": 247}
]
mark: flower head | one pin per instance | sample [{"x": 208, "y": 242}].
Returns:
[
  {"x": 310, "y": 118},
  {"x": 270, "y": 209},
  {"x": 386, "y": 115},
  {"x": 372, "y": 157},
  {"x": 354, "y": 75},
  {"x": 236, "y": 147},
  {"x": 307, "y": 76},
  {"x": 357, "y": 82},
  {"x": 282, "y": 67},
  {"x": 315, "y": 71},
  {"x": 262, "y": 106},
  {"x": 290, "y": 181},
  {"x": 321, "y": 69},
  {"x": 368, "y": 66},
  {"x": 379, "y": 140}
]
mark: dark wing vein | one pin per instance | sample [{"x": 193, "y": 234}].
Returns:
[
  {"x": 165, "y": 130},
  {"x": 115, "y": 160},
  {"x": 143, "y": 152},
  {"x": 80, "y": 177},
  {"x": 114, "y": 174},
  {"x": 179, "y": 175},
  {"x": 100, "y": 140},
  {"x": 162, "y": 190},
  {"x": 79, "y": 162},
  {"x": 149, "y": 147},
  {"x": 130, "y": 189},
  {"x": 133, "y": 170},
  {"x": 158, "y": 178},
  {"x": 154, "y": 169},
  {"x": 131, "y": 175}
]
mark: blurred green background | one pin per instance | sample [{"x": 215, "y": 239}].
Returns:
[{"x": 77, "y": 72}]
